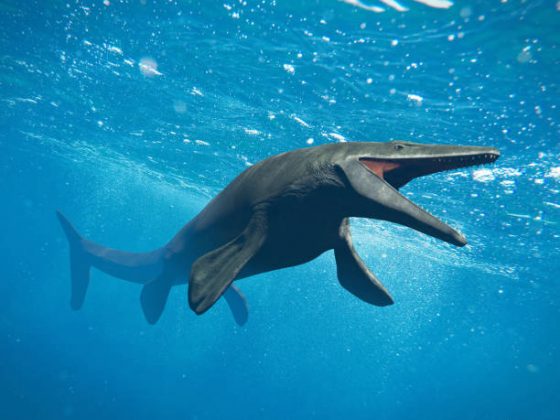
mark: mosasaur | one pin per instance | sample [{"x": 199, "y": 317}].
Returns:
[{"x": 281, "y": 212}]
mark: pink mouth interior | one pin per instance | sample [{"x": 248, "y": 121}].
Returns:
[{"x": 379, "y": 167}]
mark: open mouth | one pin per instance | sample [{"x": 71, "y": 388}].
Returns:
[
  {"x": 398, "y": 172},
  {"x": 393, "y": 173}
]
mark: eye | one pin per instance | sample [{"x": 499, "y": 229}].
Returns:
[{"x": 398, "y": 146}]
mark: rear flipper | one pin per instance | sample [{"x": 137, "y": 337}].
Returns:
[
  {"x": 237, "y": 304},
  {"x": 79, "y": 263},
  {"x": 353, "y": 274},
  {"x": 154, "y": 297}
]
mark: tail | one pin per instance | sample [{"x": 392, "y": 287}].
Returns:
[
  {"x": 79, "y": 263},
  {"x": 145, "y": 268}
]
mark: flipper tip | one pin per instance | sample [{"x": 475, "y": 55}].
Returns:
[
  {"x": 198, "y": 307},
  {"x": 76, "y": 306},
  {"x": 387, "y": 300}
]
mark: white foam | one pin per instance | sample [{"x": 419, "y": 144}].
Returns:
[
  {"x": 148, "y": 67},
  {"x": 395, "y": 5},
  {"x": 483, "y": 175},
  {"x": 553, "y": 205},
  {"x": 289, "y": 68},
  {"x": 27, "y": 100},
  {"x": 415, "y": 98},
  {"x": 508, "y": 183},
  {"x": 506, "y": 172},
  {"x": 196, "y": 91},
  {"x": 438, "y": 4},
  {"x": 554, "y": 173},
  {"x": 114, "y": 49},
  {"x": 520, "y": 216},
  {"x": 300, "y": 122},
  {"x": 359, "y": 4},
  {"x": 251, "y": 131},
  {"x": 338, "y": 137}
]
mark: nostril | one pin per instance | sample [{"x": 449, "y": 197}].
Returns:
[{"x": 398, "y": 147}]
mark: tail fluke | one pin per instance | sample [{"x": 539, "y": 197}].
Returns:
[{"x": 79, "y": 263}]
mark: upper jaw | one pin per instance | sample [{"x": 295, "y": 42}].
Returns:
[
  {"x": 459, "y": 159},
  {"x": 402, "y": 169},
  {"x": 448, "y": 158}
]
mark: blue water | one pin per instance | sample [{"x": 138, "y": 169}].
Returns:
[{"x": 130, "y": 115}]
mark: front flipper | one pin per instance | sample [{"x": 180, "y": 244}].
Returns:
[
  {"x": 212, "y": 273},
  {"x": 154, "y": 296},
  {"x": 353, "y": 274}
]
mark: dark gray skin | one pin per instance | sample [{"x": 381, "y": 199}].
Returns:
[{"x": 281, "y": 212}]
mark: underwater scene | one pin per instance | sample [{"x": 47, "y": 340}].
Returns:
[{"x": 441, "y": 298}]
